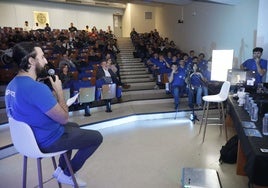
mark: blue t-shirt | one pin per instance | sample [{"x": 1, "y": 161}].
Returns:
[
  {"x": 28, "y": 100},
  {"x": 179, "y": 77},
  {"x": 196, "y": 80},
  {"x": 250, "y": 64}
]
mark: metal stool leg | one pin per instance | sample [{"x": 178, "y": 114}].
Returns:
[
  {"x": 206, "y": 122},
  {"x": 223, "y": 121},
  {"x": 55, "y": 167},
  {"x": 204, "y": 110},
  {"x": 70, "y": 169},
  {"x": 39, "y": 167},
  {"x": 24, "y": 176}
]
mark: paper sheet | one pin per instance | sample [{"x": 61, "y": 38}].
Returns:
[{"x": 71, "y": 100}]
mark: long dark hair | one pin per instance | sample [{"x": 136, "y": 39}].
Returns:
[{"x": 21, "y": 54}]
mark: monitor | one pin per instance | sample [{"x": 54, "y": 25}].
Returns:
[
  {"x": 250, "y": 78},
  {"x": 236, "y": 76}
]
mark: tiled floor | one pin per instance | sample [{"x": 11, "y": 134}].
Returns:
[{"x": 147, "y": 151}]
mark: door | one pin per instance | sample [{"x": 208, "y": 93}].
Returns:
[{"x": 117, "y": 25}]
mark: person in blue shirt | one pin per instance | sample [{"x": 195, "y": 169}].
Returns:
[
  {"x": 256, "y": 64},
  {"x": 195, "y": 83},
  {"x": 177, "y": 81},
  {"x": 46, "y": 112}
]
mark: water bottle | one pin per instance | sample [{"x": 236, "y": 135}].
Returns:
[
  {"x": 249, "y": 104},
  {"x": 246, "y": 101},
  {"x": 251, "y": 101},
  {"x": 265, "y": 124},
  {"x": 254, "y": 112}
]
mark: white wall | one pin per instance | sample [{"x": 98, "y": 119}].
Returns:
[
  {"x": 127, "y": 21},
  {"x": 210, "y": 26},
  {"x": 262, "y": 34},
  {"x": 13, "y": 13}
]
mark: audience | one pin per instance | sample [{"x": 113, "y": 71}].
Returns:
[{"x": 87, "y": 48}]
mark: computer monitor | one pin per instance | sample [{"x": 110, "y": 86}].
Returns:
[
  {"x": 236, "y": 76},
  {"x": 250, "y": 78},
  {"x": 242, "y": 77}
]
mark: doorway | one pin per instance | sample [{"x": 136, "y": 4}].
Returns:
[{"x": 117, "y": 21}]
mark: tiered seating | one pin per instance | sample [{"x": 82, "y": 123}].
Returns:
[{"x": 85, "y": 53}]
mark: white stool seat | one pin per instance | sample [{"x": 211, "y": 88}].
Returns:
[
  {"x": 24, "y": 141},
  {"x": 213, "y": 98},
  {"x": 219, "y": 98}
]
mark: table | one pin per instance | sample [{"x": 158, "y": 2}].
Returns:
[{"x": 256, "y": 164}]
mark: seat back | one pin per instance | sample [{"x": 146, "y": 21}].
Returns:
[
  {"x": 108, "y": 91},
  {"x": 225, "y": 88},
  {"x": 87, "y": 94},
  {"x": 23, "y": 139}
]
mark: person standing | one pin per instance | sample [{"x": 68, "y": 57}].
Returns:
[
  {"x": 48, "y": 117},
  {"x": 256, "y": 64},
  {"x": 26, "y": 26},
  {"x": 72, "y": 28}
]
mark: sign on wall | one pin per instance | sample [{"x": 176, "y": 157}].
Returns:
[{"x": 41, "y": 18}]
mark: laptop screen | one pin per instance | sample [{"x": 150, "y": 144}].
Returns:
[{"x": 235, "y": 76}]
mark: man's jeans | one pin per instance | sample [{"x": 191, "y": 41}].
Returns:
[{"x": 86, "y": 141}]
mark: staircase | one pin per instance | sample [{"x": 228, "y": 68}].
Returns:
[{"x": 134, "y": 73}]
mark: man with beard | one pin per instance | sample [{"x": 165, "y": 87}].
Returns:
[{"x": 32, "y": 102}]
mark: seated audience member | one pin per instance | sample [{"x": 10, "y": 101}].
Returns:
[
  {"x": 256, "y": 64},
  {"x": 116, "y": 69},
  {"x": 107, "y": 76},
  {"x": 48, "y": 117},
  {"x": 177, "y": 82},
  {"x": 202, "y": 63},
  {"x": 65, "y": 76},
  {"x": 195, "y": 87},
  {"x": 58, "y": 48},
  {"x": 66, "y": 60},
  {"x": 160, "y": 66}
]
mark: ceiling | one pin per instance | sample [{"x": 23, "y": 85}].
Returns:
[{"x": 122, "y": 3}]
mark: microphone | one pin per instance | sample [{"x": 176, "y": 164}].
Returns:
[{"x": 51, "y": 72}]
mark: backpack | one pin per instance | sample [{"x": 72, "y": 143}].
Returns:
[{"x": 229, "y": 151}]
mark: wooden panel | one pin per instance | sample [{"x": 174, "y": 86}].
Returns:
[
  {"x": 241, "y": 161},
  {"x": 164, "y": 78}
]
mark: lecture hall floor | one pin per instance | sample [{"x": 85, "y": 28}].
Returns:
[{"x": 147, "y": 151}]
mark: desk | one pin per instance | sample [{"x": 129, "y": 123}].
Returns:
[{"x": 256, "y": 165}]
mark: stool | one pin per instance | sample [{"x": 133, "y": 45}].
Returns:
[
  {"x": 218, "y": 98},
  {"x": 25, "y": 143}
]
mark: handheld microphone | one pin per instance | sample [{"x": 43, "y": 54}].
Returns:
[{"x": 51, "y": 72}]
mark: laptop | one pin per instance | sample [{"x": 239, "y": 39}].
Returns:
[{"x": 87, "y": 94}]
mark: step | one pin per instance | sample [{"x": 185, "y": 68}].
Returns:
[
  {"x": 135, "y": 80},
  {"x": 136, "y": 76},
  {"x": 133, "y": 64},
  {"x": 133, "y": 69},
  {"x": 122, "y": 66},
  {"x": 133, "y": 73},
  {"x": 150, "y": 94},
  {"x": 140, "y": 86}
]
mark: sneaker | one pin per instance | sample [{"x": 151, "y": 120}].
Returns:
[
  {"x": 63, "y": 178},
  {"x": 57, "y": 172},
  {"x": 156, "y": 87}
]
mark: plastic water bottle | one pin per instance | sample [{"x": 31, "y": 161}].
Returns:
[
  {"x": 265, "y": 124},
  {"x": 246, "y": 101},
  {"x": 249, "y": 104},
  {"x": 254, "y": 112}
]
